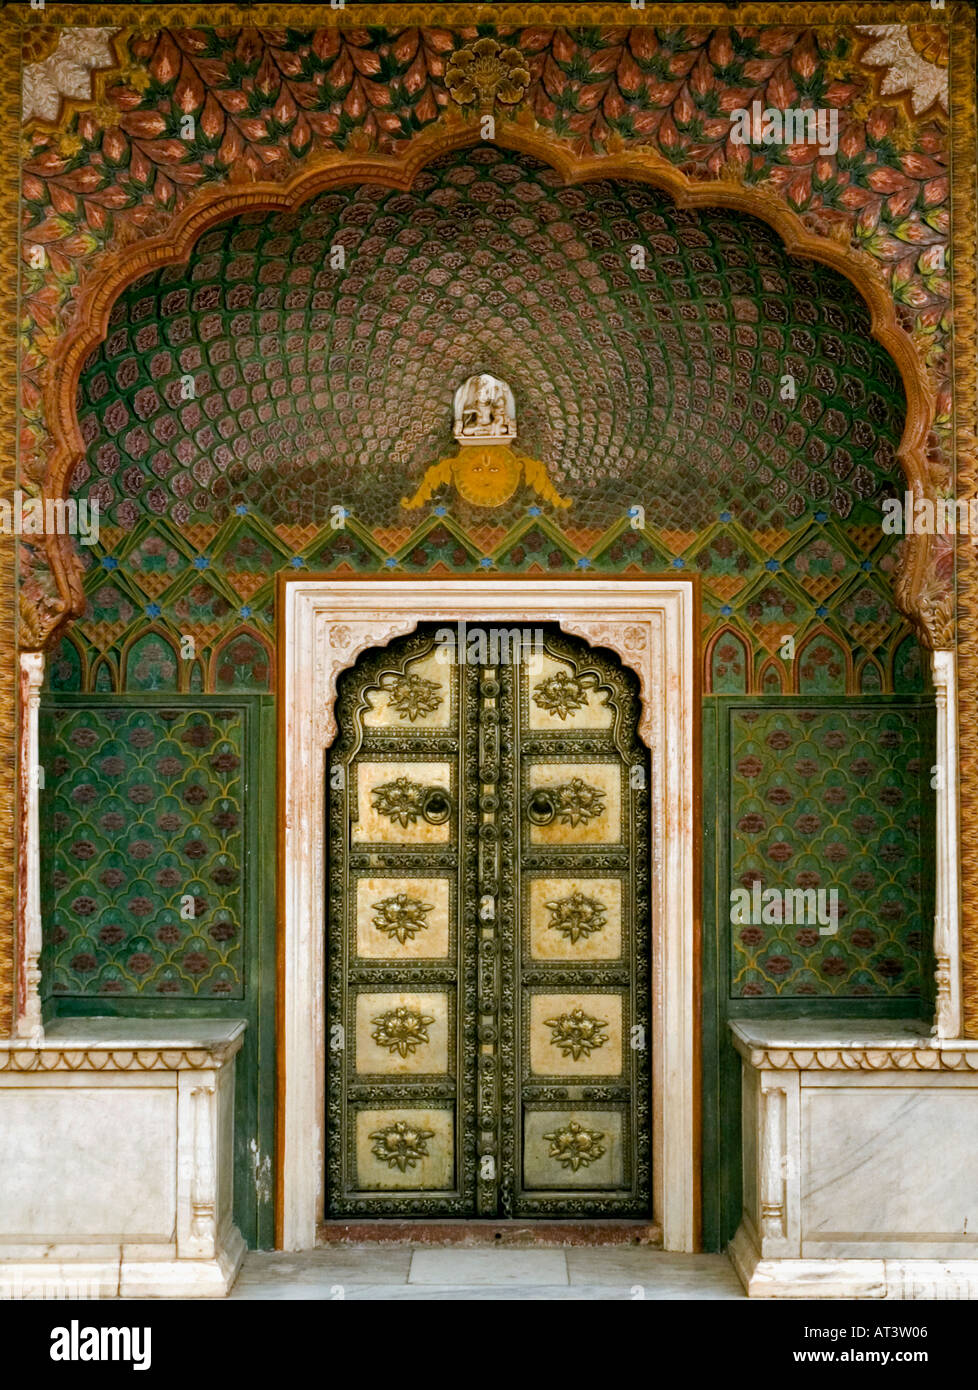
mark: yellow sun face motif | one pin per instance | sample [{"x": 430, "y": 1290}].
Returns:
[{"x": 486, "y": 477}]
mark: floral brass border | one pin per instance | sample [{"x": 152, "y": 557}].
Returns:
[{"x": 915, "y": 593}]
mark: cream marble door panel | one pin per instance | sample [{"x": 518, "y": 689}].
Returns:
[
  {"x": 575, "y": 1034},
  {"x": 404, "y": 918}
]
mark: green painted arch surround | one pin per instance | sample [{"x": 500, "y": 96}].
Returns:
[{"x": 677, "y": 361}]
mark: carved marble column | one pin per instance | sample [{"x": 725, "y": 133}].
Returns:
[
  {"x": 29, "y": 1023},
  {"x": 777, "y": 1166},
  {"x": 947, "y": 913}
]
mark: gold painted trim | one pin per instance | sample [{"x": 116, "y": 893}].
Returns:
[
  {"x": 148, "y": 19},
  {"x": 822, "y": 1057},
  {"x": 78, "y": 1057}
]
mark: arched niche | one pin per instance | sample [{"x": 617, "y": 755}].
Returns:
[
  {"x": 728, "y": 664},
  {"x": 242, "y": 663},
  {"x": 150, "y": 661},
  {"x": 823, "y": 665}
]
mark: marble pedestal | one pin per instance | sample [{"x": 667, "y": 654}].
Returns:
[
  {"x": 860, "y": 1145},
  {"x": 116, "y": 1146}
]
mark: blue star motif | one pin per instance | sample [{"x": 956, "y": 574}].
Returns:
[
  {"x": 725, "y": 516},
  {"x": 485, "y": 563},
  {"x": 679, "y": 563},
  {"x": 241, "y": 510},
  {"x": 297, "y": 562},
  {"x": 153, "y": 610},
  {"x": 202, "y": 563},
  {"x": 866, "y": 565},
  {"x": 441, "y": 511},
  {"x": 390, "y": 563},
  {"x": 821, "y": 611},
  {"x": 821, "y": 516},
  {"x": 584, "y": 563},
  {"x": 726, "y": 610},
  {"x": 772, "y": 565},
  {"x": 533, "y": 511},
  {"x": 244, "y": 612},
  {"x": 109, "y": 562}
]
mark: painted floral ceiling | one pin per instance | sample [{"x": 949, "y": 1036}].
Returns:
[
  {"x": 242, "y": 403},
  {"x": 662, "y": 387}
]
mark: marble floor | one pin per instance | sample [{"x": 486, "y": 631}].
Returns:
[{"x": 395, "y": 1272}]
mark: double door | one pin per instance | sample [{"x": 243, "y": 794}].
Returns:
[{"x": 488, "y": 902}]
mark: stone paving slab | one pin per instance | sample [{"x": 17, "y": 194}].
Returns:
[
  {"x": 471, "y": 1268},
  {"x": 654, "y": 1270},
  {"x": 374, "y": 1272},
  {"x": 317, "y": 1269}
]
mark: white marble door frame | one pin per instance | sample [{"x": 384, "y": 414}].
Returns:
[
  {"x": 949, "y": 1014},
  {"x": 326, "y": 624}
]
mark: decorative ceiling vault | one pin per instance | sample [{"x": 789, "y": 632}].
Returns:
[
  {"x": 660, "y": 387},
  {"x": 201, "y": 122},
  {"x": 723, "y": 410}
]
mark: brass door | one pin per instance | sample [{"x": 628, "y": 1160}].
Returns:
[{"x": 488, "y": 931}]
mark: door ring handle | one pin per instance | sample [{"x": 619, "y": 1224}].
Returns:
[
  {"x": 541, "y": 808},
  {"x": 437, "y": 806}
]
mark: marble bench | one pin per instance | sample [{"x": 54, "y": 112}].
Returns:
[
  {"x": 116, "y": 1149},
  {"x": 860, "y": 1161}
]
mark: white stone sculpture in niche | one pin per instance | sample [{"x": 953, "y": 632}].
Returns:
[
  {"x": 489, "y": 474},
  {"x": 484, "y": 410}
]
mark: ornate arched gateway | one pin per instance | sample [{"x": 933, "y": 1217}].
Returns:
[{"x": 699, "y": 389}]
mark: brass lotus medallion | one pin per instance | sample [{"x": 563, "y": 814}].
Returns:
[
  {"x": 577, "y": 1034},
  {"x": 402, "y": 1030},
  {"x": 412, "y": 697},
  {"x": 574, "y": 1146},
  {"x": 401, "y": 916},
  {"x": 401, "y": 1145},
  {"x": 560, "y": 694},
  {"x": 577, "y": 802},
  {"x": 577, "y": 916}
]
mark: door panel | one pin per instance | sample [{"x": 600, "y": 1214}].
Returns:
[
  {"x": 488, "y": 919},
  {"x": 401, "y": 946},
  {"x": 581, "y": 938}
]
